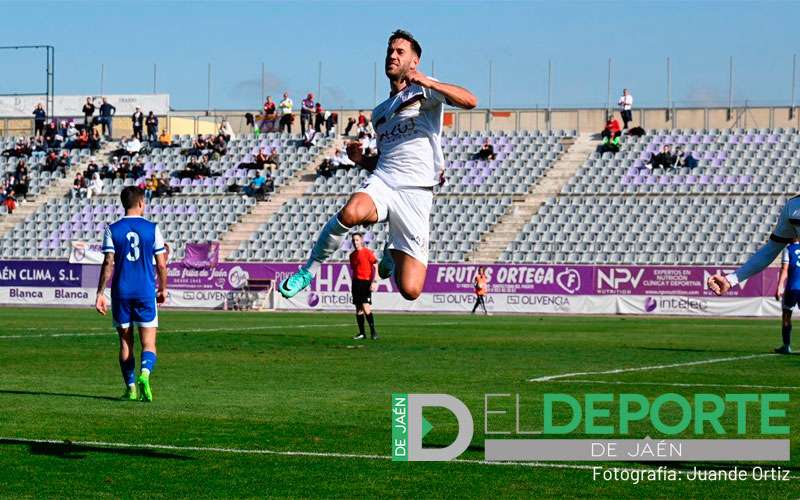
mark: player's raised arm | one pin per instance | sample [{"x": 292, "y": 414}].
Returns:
[
  {"x": 783, "y": 234},
  {"x": 455, "y": 95}
]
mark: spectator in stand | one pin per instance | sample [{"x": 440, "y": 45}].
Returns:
[
  {"x": 306, "y": 111},
  {"x": 72, "y": 134},
  {"x": 269, "y": 117},
  {"x": 109, "y": 170},
  {"x": 219, "y": 147},
  {"x": 124, "y": 169},
  {"x": 286, "y": 113},
  {"x": 164, "y": 187},
  {"x": 486, "y": 152},
  {"x": 273, "y": 160},
  {"x": 38, "y": 145},
  {"x": 39, "y": 117},
  {"x": 78, "y": 186},
  {"x": 331, "y": 120},
  {"x": 625, "y": 108},
  {"x": 319, "y": 118},
  {"x": 362, "y": 120},
  {"x": 151, "y": 187},
  {"x": 351, "y": 122},
  {"x": 81, "y": 141},
  {"x": 91, "y": 169},
  {"x": 51, "y": 136},
  {"x": 310, "y": 138},
  {"x": 612, "y": 129},
  {"x": 665, "y": 159},
  {"x": 88, "y": 112},
  {"x": 50, "y": 162},
  {"x": 260, "y": 185},
  {"x": 226, "y": 131},
  {"x": 21, "y": 187},
  {"x": 137, "y": 170},
  {"x": 683, "y": 159},
  {"x": 165, "y": 140},
  {"x": 152, "y": 127},
  {"x": 21, "y": 149},
  {"x": 137, "y": 121},
  {"x": 189, "y": 170},
  {"x": 199, "y": 145},
  {"x": 107, "y": 112},
  {"x": 94, "y": 140},
  {"x": 10, "y": 202},
  {"x": 610, "y": 145},
  {"x": 95, "y": 186}
]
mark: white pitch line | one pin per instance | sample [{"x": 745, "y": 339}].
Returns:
[
  {"x": 314, "y": 454},
  {"x": 652, "y": 367},
  {"x": 677, "y": 384},
  {"x": 110, "y": 332}
]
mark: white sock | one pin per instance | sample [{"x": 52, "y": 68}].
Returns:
[
  {"x": 132, "y": 386},
  {"x": 329, "y": 240},
  {"x": 145, "y": 371}
]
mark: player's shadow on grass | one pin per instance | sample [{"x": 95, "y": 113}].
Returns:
[
  {"x": 62, "y": 394},
  {"x": 72, "y": 451}
]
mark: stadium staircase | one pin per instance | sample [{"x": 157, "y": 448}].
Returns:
[
  {"x": 58, "y": 190},
  {"x": 299, "y": 184},
  {"x": 495, "y": 241}
]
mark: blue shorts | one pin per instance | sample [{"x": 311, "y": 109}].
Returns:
[
  {"x": 139, "y": 312},
  {"x": 791, "y": 299}
]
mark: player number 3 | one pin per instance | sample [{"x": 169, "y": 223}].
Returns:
[{"x": 133, "y": 239}]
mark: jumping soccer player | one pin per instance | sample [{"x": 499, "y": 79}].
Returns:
[
  {"x": 789, "y": 291},
  {"x": 363, "y": 265},
  {"x": 480, "y": 290},
  {"x": 400, "y": 190},
  {"x": 131, "y": 244}
]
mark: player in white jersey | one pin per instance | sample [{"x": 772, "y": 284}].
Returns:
[
  {"x": 400, "y": 190},
  {"x": 787, "y": 229}
]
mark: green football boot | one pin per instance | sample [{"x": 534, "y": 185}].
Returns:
[
  {"x": 295, "y": 283},
  {"x": 130, "y": 394},
  {"x": 145, "y": 394}
]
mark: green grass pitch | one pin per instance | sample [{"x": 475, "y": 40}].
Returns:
[{"x": 297, "y": 383}]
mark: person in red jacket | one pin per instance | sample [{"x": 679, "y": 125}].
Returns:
[{"x": 363, "y": 265}]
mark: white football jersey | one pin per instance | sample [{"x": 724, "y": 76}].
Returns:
[{"x": 408, "y": 126}]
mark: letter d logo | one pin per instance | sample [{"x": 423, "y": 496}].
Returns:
[{"x": 417, "y": 427}]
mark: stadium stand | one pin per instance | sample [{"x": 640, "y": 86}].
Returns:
[
  {"x": 475, "y": 196},
  {"x": 204, "y": 210},
  {"x": 617, "y": 210}
]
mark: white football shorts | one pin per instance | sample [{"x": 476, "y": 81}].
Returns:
[{"x": 408, "y": 212}]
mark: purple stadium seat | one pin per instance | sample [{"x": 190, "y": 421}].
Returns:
[{"x": 691, "y": 179}]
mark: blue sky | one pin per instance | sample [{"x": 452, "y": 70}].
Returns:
[{"x": 461, "y": 38}]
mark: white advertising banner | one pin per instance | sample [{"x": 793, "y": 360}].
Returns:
[
  {"x": 72, "y": 105},
  {"x": 694, "y": 306}
]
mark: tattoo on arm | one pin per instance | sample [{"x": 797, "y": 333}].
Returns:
[{"x": 106, "y": 272}]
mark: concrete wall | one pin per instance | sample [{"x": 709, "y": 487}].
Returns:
[{"x": 583, "y": 120}]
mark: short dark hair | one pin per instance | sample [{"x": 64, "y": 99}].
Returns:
[
  {"x": 357, "y": 234},
  {"x": 130, "y": 196},
  {"x": 405, "y": 35}
]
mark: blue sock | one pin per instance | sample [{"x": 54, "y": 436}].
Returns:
[
  {"x": 148, "y": 361},
  {"x": 128, "y": 368}
]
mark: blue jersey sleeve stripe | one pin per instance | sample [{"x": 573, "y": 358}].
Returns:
[{"x": 160, "y": 250}]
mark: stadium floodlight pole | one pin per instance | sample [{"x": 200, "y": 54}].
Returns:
[
  {"x": 208, "y": 104},
  {"x": 549, "y": 92},
  {"x": 730, "y": 89},
  {"x": 608, "y": 96},
  {"x": 794, "y": 84},
  {"x": 669, "y": 89},
  {"x": 262, "y": 82},
  {"x": 491, "y": 94},
  {"x": 433, "y": 68}
]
